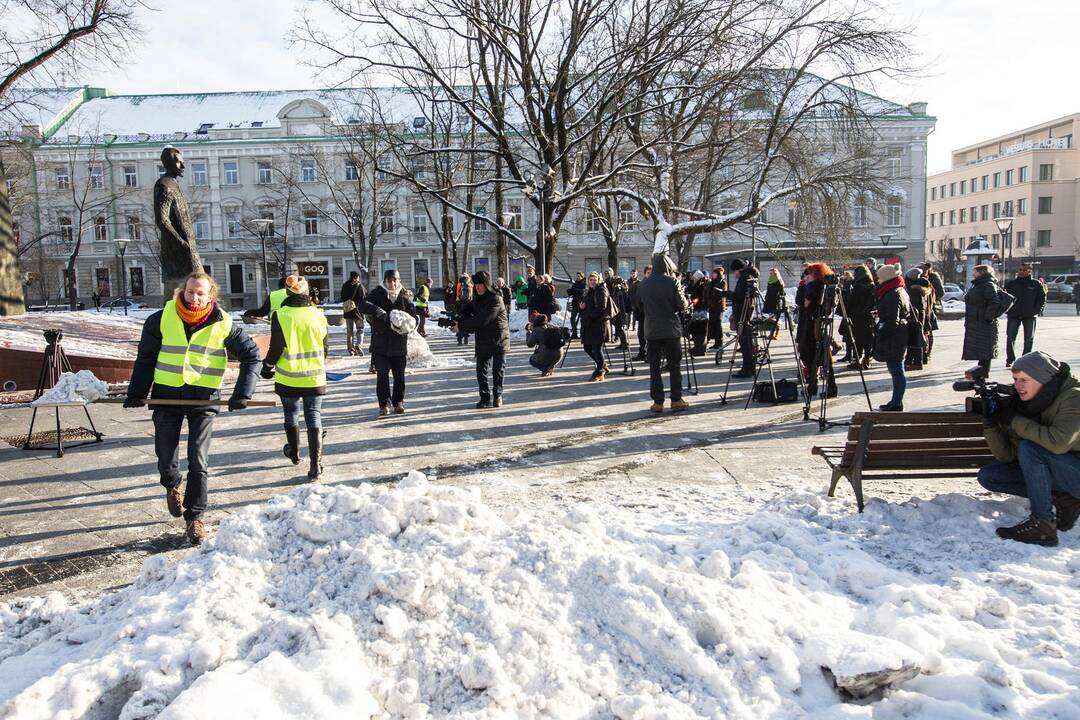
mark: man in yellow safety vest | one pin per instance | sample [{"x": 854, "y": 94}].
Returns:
[
  {"x": 183, "y": 355},
  {"x": 270, "y": 304},
  {"x": 296, "y": 360}
]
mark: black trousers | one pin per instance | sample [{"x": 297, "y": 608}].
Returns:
[
  {"x": 641, "y": 335},
  {"x": 671, "y": 349},
  {"x": 575, "y": 316},
  {"x": 1012, "y": 327},
  {"x": 596, "y": 352},
  {"x": 716, "y": 325},
  {"x": 619, "y": 332},
  {"x": 384, "y": 365},
  {"x": 167, "y": 423},
  {"x": 496, "y": 363},
  {"x": 746, "y": 348}
]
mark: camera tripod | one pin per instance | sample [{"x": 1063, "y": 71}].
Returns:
[
  {"x": 764, "y": 357},
  {"x": 759, "y": 330},
  {"x": 831, "y": 299},
  {"x": 55, "y": 363}
]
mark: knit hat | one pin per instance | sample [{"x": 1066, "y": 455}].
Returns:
[
  {"x": 297, "y": 284},
  {"x": 697, "y": 275},
  {"x": 885, "y": 273},
  {"x": 913, "y": 274},
  {"x": 482, "y": 277},
  {"x": 737, "y": 264},
  {"x": 872, "y": 262},
  {"x": 1041, "y": 367}
]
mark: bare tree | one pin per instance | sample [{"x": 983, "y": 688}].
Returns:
[{"x": 38, "y": 42}]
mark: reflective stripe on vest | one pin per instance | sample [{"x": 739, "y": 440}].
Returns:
[
  {"x": 276, "y": 298},
  {"x": 200, "y": 361},
  {"x": 302, "y": 364}
]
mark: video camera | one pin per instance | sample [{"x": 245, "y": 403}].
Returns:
[
  {"x": 446, "y": 319},
  {"x": 991, "y": 396}
]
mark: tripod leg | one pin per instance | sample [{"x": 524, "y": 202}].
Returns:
[
  {"x": 91, "y": 421},
  {"x": 30, "y": 432},
  {"x": 854, "y": 345},
  {"x": 59, "y": 440}
]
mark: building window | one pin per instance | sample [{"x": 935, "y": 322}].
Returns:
[
  {"x": 101, "y": 229},
  {"x": 350, "y": 170},
  {"x": 131, "y": 176},
  {"x": 1010, "y": 176},
  {"x": 994, "y": 241},
  {"x": 387, "y": 222},
  {"x": 63, "y": 224},
  {"x": 985, "y": 182},
  {"x": 963, "y": 187},
  {"x": 952, "y": 189},
  {"x": 134, "y": 227},
  {"x": 1044, "y": 238},
  {"x": 997, "y": 210},
  {"x": 933, "y": 193},
  {"x": 963, "y": 215},
  {"x": 387, "y": 264},
  {"x": 513, "y": 217},
  {"x": 384, "y": 168},
  {"x": 199, "y": 175},
  {"x": 266, "y": 213},
  {"x": 1023, "y": 173},
  {"x": 859, "y": 215},
  {"x": 997, "y": 179},
  {"x": 232, "y": 172},
  {"x": 201, "y": 221},
  {"x": 628, "y": 216},
  {"x": 1007, "y": 208},
  {"x": 419, "y": 220},
  {"x": 893, "y": 213},
  {"x": 974, "y": 214},
  {"x": 311, "y": 221},
  {"x": 418, "y": 170},
  {"x": 63, "y": 178},
  {"x": 233, "y": 226},
  {"x": 307, "y": 170},
  {"x": 266, "y": 172},
  {"x": 1021, "y": 239},
  {"x": 593, "y": 222},
  {"x": 1021, "y": 206},
  {"x": 97, "y": 177},
  {"x": 984, "y": 212},
  {"x": 932, "y": 218},
  {"x": 974, "y": 184},
  {"x": 1046, "y": 205},
  {"x": 1046, "y": 172},
  {"x": 895, "y": 162},
  {"x": 952, "y": 217}
]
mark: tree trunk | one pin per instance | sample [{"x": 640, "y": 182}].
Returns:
[
  {"x": 11, "y": 289},
  {"x": 501, "y": 248}
]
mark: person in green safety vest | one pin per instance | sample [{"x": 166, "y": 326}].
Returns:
[
  {"x": 296, "y": 361},
  {"x": 183, "y": 355},
  {"x": 270, "y": 304},
  {"x": 423, "y": 296}
]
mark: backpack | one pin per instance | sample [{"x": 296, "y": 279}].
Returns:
[{"x": 785, "y": 391}]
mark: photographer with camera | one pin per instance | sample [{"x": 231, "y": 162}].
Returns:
[
  {"x": 745, "y": 292},
  {"x": 547, "y": 342},
  {"x": 665, "y": 307},
  {"x": 485, "y": 317},
  {"x": 1033, "y": 430}
]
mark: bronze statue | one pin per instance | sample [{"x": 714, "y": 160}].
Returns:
[{"x": 179, "y": 253}]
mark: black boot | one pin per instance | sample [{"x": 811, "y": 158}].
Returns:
[
  {"x": 292, "y": 445},
  {"x": 314, "y": 443},
  {"x": 1067, "y": 508},
  {"x": 1033, "y": 530}
]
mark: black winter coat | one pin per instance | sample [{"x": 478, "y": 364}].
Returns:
[
  {"x": 981, "y": 309},
  {"x": 349, "y": 291},
  {"x": 1030, "y": 297},
  {"x": 595, "y": 321},
  {"x": 485, "y": 317},
  {"x": 743, "y": 292},
  {"x": 663, "y": 303},
  {"x": 921, "y": 296},
  {"x": 774, "y": 292},
  {"x": 860, "y": 303},
  {"x": 718, "y": 294},
  {"x": 238, "y": 344},
  {"x": 547, "y": 343},
  {"x": 542, "y": 300},
  {"x": 891, "y": 335},
  {"x": 384, "y": 339}
]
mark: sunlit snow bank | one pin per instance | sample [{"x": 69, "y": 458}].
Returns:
[{"x": 420, "y": 601}]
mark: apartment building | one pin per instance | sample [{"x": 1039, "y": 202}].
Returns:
[{"x": 1032, "y": 176}]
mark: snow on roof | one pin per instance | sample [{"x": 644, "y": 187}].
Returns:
[{"x": 35, "y": 106}]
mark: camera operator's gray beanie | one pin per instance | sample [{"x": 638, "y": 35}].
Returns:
[{"x": 1041, "y": 367}]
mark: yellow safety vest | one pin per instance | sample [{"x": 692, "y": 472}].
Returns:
[
  {"x": 200, "y": 361},
  {"x": 276, "y": 298},
  {"x": 302, "y": 364}
]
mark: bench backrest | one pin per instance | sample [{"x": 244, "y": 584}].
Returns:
[{"x": 919, "y": 439}]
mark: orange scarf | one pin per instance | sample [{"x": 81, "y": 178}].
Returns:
[{"x": 192, "y": 318}]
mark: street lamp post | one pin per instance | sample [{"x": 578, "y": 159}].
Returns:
[
  {"x": 263, "y": 224},
  {"x": 121, "y": 245},
  {"x": 1004, "y": 225}
]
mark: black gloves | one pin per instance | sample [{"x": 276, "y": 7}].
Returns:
[
  {"x": 237, "y": 403},
  {"x": 380, "y": 313},
  {"x": 267, "y": 372},
  {"x": 134, "y": 402}
]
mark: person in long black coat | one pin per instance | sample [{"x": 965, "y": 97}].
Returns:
[
  {"x": 717, "y": 305},
  {"x": 981, "y": 311},
  {"x": 595, "y": 324},
  {"x": 389, "y": 348},
  {"x": 860, "y": 303},
  {"x": 891, "y": 337},
  {"x": 808, "y": 336}
]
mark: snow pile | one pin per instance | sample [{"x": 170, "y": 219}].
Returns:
[
  {"x": 419, "y": 602},
  {"x": 82, "y": 387},
  {"x": 402, "y": 322}
]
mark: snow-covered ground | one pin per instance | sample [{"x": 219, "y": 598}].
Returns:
[{"x": 419, "y": 601}]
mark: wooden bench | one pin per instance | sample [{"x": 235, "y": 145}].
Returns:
[{"x": 907, "y": 445}]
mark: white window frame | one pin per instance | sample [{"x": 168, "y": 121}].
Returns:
[
  {"x": 896, "y": 162},
  {"x": 234, "y": 172},
  {"x": 894, "y": 213},
  {"x": 308, "y": 173},
  {"x": 387, "y": 221},
  {"x": 419, "y": 222},
  {"x": 131, "y": 179},
  {"x": 134, "y": 229},
  {"x": 200, "y": 173},
  {"x": 63, "y": 177},
  {"x": 200, "y": 218},
  {"x": 101, "y": 228},
  {"x": 265, "y": 172},
  {"x": 859, "y": 213},
  {"x": 234, "y": 226},
  {"x": 310, "y": 219},
  {"x": 352, "y": 173},
  {"x": 97, "y": 177},
  {"x": 65, "y": 230},
  {"x": 513, "y": 216}
]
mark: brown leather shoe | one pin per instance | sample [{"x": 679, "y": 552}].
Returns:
[
  {"x": 1034, "y": 531},
  {"x": 679, "y": 405},
  {"x": 196, "y": 532},
  {"x": 175, "y": 500},
  {"x": 656, "y": 407}
]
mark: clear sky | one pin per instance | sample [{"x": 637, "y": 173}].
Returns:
[{"x": 988, "y": 66}]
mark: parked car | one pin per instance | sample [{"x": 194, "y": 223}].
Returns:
[
  {"x": 1059, "y": 287},
  {"x": 952, "y": 292},
  {"x": 118, "y": 304}
]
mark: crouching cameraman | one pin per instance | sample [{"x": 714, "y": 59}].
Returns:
[
  {"x": 1036, "y": 437},
  {"x": 485, "y": 316},
  {"x": 547, "y": 342}
]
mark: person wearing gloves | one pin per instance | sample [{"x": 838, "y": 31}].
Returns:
[
  {"x": 183, "y": 354},
  {"x": 485, "y": 317},
  {"x": 892, "y": 331},
  {"x": 296, "y": 361},
  {"x": 389, "y": 348},
  {"x": 1035, "y": 437}
]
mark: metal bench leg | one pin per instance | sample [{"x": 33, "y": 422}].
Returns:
[
  {"x": 855, "y": 479},
  {"x": 837, "y": 473}
]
